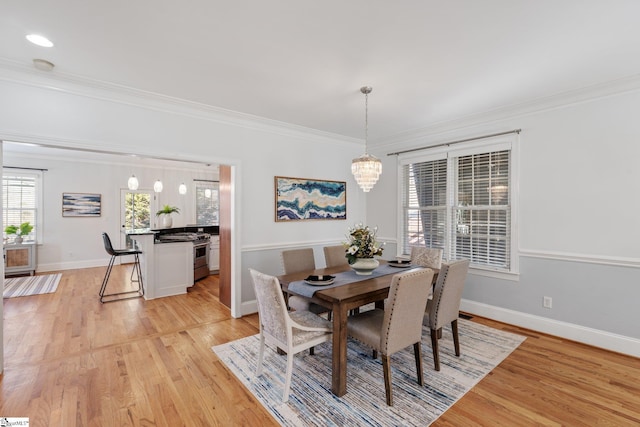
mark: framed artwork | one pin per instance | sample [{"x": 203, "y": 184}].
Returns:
[
  {"x": 81, "y": 204},
  {"x": 300, "y": 199}
]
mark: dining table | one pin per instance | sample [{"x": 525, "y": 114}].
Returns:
[{"x": 349, "y": 295}]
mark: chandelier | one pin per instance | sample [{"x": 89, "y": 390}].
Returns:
[{"x": 367, "y": 168}]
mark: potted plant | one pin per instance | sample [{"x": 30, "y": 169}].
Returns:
[
  {"x": 166, "y": 212},
  {"x": 361, "y": 246},
  {"x": 24, "y": 229}
]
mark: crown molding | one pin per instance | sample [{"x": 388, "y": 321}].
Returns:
[
  {"x": 536, "y": 106},
  {"x": 15, "y": 72}
]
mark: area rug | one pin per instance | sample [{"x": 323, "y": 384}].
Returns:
[
  {"x": 31, "y": 285},
  {"x": 311, "y": 402}
]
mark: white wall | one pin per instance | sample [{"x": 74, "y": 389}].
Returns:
[
  {"x": 72, "y": 242},
  {"x": 37, "y": 108},
  {"x": 578, "y": 205}
]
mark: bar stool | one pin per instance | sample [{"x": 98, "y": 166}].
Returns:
[{"x": 136, "y": 267}]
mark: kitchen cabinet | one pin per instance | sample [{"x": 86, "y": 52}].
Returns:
[
  {"x": 20, "y": 258},
  {"x": 214, "y": 254},
  {"x": 167, "y": 268}
]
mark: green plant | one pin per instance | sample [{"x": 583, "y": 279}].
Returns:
[
  {"x": 167, "y": 210},
  {"x": 24, "y": 229}
]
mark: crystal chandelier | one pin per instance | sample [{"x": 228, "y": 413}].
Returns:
[{"x": 367, "y": 168}]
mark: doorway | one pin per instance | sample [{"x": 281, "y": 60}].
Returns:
[{"x": 135, "y": 214}]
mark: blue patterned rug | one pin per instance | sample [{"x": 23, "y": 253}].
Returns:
[{"x": 311, "y": 402}]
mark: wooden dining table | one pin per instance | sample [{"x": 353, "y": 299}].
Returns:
[{"x": 341, "y": 300}]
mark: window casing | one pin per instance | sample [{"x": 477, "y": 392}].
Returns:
[
  {"x": 207, "y": 202},
  {"x": 22, "y": 200},
  {"x": 461, "y": 200}
]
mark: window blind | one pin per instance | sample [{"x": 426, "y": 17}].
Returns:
[
  {"x": 19, "y": 194},
  {"x": 461, "y": 204}
]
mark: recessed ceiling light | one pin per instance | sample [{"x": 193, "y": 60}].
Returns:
[{"x": 39, "y": 40}]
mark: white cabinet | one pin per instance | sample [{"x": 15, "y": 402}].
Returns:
[
  {"x": 20, "y": 258},
  {"x": 214, "y": 254}
]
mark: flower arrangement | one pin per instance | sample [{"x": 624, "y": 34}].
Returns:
[{"x": 362, "y": 243}]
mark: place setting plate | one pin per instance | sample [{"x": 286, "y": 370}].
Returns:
[
  {"x": 400, "y": 263},
  {"x": 319, "y": 280}
]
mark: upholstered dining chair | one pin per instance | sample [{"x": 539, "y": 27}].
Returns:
[
  {"x": 334, "y": 256},
  {"x": 399, "y": 325},
  {"x": 444, "y": 307},
  {"x": 426, "y": 257},
  {"x": 294, "y": 261},
  {"x": 292, "y": 332}
]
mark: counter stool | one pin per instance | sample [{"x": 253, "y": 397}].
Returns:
[{"x": 136, "y": 267}]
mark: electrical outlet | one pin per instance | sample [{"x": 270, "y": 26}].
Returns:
[{"x": 546, "y": 302}]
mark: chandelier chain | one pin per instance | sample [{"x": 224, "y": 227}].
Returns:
[{"x": 366, "y": 122}]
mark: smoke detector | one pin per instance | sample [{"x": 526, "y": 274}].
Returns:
[{"x": 42, "y": 64}]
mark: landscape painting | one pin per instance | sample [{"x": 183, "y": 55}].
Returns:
[
  {"x": 309, "y": 199},
  {"x": 81, "y": 204}
]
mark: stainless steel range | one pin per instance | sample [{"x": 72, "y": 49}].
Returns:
[{"x": 200, "y": 249}]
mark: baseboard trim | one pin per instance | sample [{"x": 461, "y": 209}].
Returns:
[
  {"x": 58, "y": 266},
  {"x": 594, "y": 337},
  {"x": 248, "y": 307}
]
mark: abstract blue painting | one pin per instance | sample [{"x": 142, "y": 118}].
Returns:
[
  {"x": 301, "y": 199},
  {"x": 81, "y": 204}
]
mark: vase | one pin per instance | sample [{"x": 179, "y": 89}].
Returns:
[
  {"x": 167, "y": 221},
  {"x": 365, "y": 266},
  {"x": 18, "y": 239}
]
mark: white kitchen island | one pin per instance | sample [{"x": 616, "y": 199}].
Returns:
[{"x": 167, "y": 268}]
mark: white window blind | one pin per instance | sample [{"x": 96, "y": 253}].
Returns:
[
  {"x": 461, "y": 204},
  {"x": 481, "y": 217},
  {"x": 21, "y": 199},
  {"x": 425, "y": 204}
]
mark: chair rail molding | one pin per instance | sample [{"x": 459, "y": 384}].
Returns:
[{"x": 583, "y": 258}]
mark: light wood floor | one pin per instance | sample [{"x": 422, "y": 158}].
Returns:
[{"x": 71, "y": 361}]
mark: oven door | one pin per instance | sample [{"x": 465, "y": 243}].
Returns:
[{"x": 200, "y": 260}]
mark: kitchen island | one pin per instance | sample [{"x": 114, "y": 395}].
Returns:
[{"x": 167, "y": 268}]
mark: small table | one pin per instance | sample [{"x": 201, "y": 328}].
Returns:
[
  {"x": 20, "y": 258},
  {"x": 341, "y": 299}
]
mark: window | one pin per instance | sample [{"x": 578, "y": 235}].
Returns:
[
  {"x": 207, "y": 203},
  {"x": 22, "y": 199},
  {"x": 460, "y": 200}
]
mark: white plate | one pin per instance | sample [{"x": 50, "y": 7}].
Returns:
[
  {"x": 403, "y": 265},
  {"x": 319, "y": 282}
]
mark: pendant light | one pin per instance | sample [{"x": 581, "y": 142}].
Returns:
[
  {"x": 366, "y": 169},
  {"x": 182, "y": 189},
  {"x": 157, "y": 186},
  {"x": 132, "y": 184}
]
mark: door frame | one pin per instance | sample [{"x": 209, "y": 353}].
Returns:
[{"x": 124, "y": 237}]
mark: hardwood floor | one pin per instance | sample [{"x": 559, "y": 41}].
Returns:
[{"x": 71, "y": 361}]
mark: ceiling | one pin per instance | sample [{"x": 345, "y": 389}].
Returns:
[{"x": 303, "y": 62}]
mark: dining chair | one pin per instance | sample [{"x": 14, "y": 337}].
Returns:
[
  {"x": 444, "y": 307},
  {"x": 426, "y": 257},
  {"x": 294, "y": 261},
  {"x": 399, "y": 325},
  {"x": 334, "y": 256},
  {"x": 115, "y": 253},
  {"x": 292, "y": 332}
]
